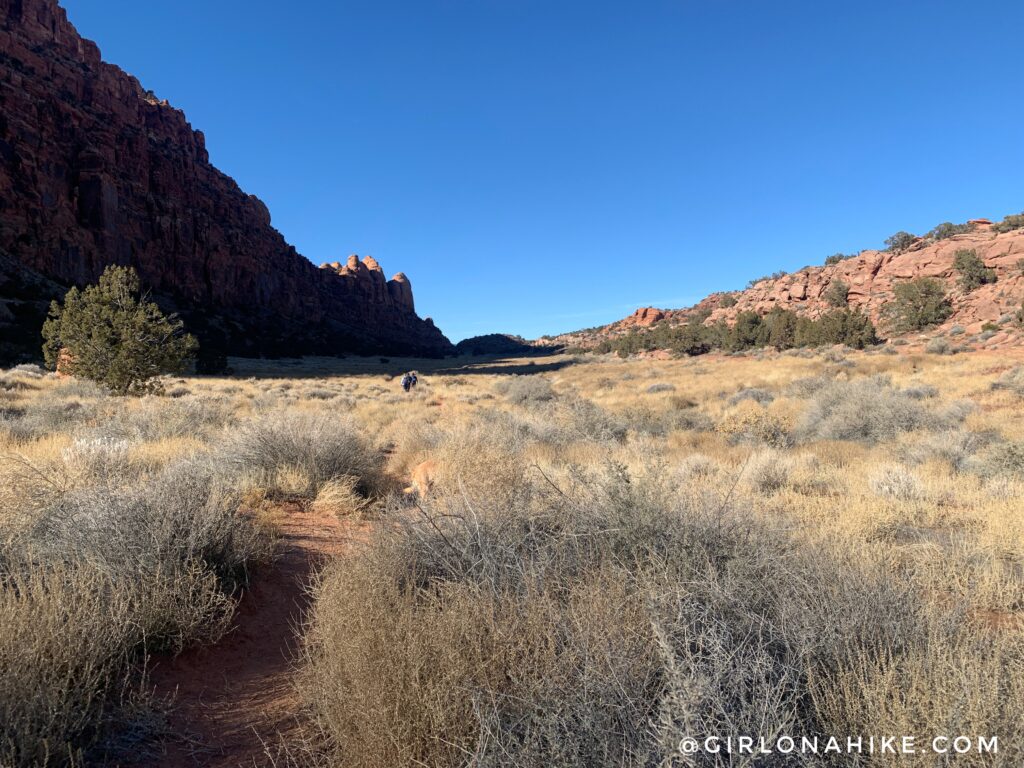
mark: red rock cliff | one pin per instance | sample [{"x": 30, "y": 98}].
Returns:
[
  {"x": 94, "y": 170},
  {"x": 870, "y": 276}
]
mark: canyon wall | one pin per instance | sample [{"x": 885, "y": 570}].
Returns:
[
  {"x": 871, "y": 276},
  {"x": 95, "y": 170}
]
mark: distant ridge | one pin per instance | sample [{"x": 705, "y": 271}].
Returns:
[{"x": 499, "y": 344}]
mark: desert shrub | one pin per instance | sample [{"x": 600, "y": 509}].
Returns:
[
  {"x": 157, "y": 418},
  {"x": 534, "y": 646},
  {"x": 599, "y": 624},
  {"x": 45, "y": 415},
  {"x": 487, "y": 457},
  {"x": 661, "y": 387},
  {"x": 1012, "y": 380},
  {"x": 28, "y": 369},
  {"x": 921, "y": 391},
  {"x": 110, "y": 334},
  {"x": 973, "y": 272},
  {"x": 768, "y": 471},
  {"x": 696, "y": 465},
  {"x": 858, "y": 695},
  {"x": 938, "y": 346},
  {"x": 682, "y": 402},
  {"x": 341, "y": 497},
  {"x": 411, "y": 441},
  {"x": 958, "y": 448},
  {"x": 896, "y": 482},
  {"x": 918, "y": 304},
  {"x": 869, "y": 410},
  {"x": 837, "y": 294},
  {"x": 758, "y": 395},
  {"x": 525, "y": 390},
  {"x": 583, "y": 419},
  {"x": 1009, "y": 223},
  {"x": 1005, "y": 459},
  {"x": 64, "y": 639},
  {"x": 947, "y": 229},
  {"x": 109, "y": 567},
  {"x": 728, "y": 300},
  {"x": 647, "y": 421},
  {"x": 71, "y": 638},
  {"x": 836, "y": 258},
  {"x": 183, "y": 514},
  {"x": 900, "y": 242},
  {"x": 773, "y": 276},
  {"x": 314, "y": 448},
  {"x": 807, "y": 386},
  {"x": 753, "y": 423},
  {"x": 319, "y": 393}
]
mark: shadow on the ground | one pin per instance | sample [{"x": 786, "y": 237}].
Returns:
[{"x": 316, "y": 367}]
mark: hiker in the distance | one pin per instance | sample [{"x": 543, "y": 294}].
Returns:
[
  {"x": 406, "y": 382},
  {"x": 415, "y": 379}
]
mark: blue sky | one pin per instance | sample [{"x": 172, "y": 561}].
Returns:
[{"x": 537, "y": 166}]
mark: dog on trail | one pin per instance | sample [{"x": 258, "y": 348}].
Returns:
[{"x": 423, "y": 476}]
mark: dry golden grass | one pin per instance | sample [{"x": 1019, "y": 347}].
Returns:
[
  {"x": 902, "y": 521},
  {"x": 615, "y": 553}
]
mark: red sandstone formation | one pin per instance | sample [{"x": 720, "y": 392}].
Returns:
[
  {"x": 94, "y": 170},
  {"x": 643, "y": 317},
  {"x": 871, "y": 276}
]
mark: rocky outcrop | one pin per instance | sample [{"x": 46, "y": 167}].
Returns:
[
  {"x": 871, "y": 276},
  {"x": 94, "y": 170},
  {"x": 643, "y": 318}
]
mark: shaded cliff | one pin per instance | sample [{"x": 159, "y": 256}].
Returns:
[{"x": 94, "y": 170}]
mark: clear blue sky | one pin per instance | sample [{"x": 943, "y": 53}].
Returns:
[{"x": 537, "y": 166}]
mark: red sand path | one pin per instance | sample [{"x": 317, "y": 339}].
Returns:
[{"x": 233, "y": 698}]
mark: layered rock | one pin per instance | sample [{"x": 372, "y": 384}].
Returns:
[
  {"x": 94, "y": 170},
  {"x": 871, "y": 277},
  {"x": 643, "y": 318}
]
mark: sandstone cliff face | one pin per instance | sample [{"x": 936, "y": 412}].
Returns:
[
  {"x": 871, "y": 276},
  {"x": 94, "y": 170}
]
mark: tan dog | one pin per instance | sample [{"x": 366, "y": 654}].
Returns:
[{"x": 423, "y": 476}]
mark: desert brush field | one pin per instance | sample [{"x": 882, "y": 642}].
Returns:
[{"x": 609, "y": 556}]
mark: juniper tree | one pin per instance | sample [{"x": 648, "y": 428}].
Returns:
[
  {"x": 918, "y": 303},
  {"x": 112, "y": 334},
  {"x": 837, "y": 294},
  {"x": 973, "y": 272}
]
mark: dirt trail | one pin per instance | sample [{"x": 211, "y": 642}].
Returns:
[{"x": 233, "y": 697}]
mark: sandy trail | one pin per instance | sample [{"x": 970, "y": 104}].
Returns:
[{"x": 234, "y": 697}]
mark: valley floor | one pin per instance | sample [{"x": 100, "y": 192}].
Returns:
[{"x": 600, "y": 559}]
